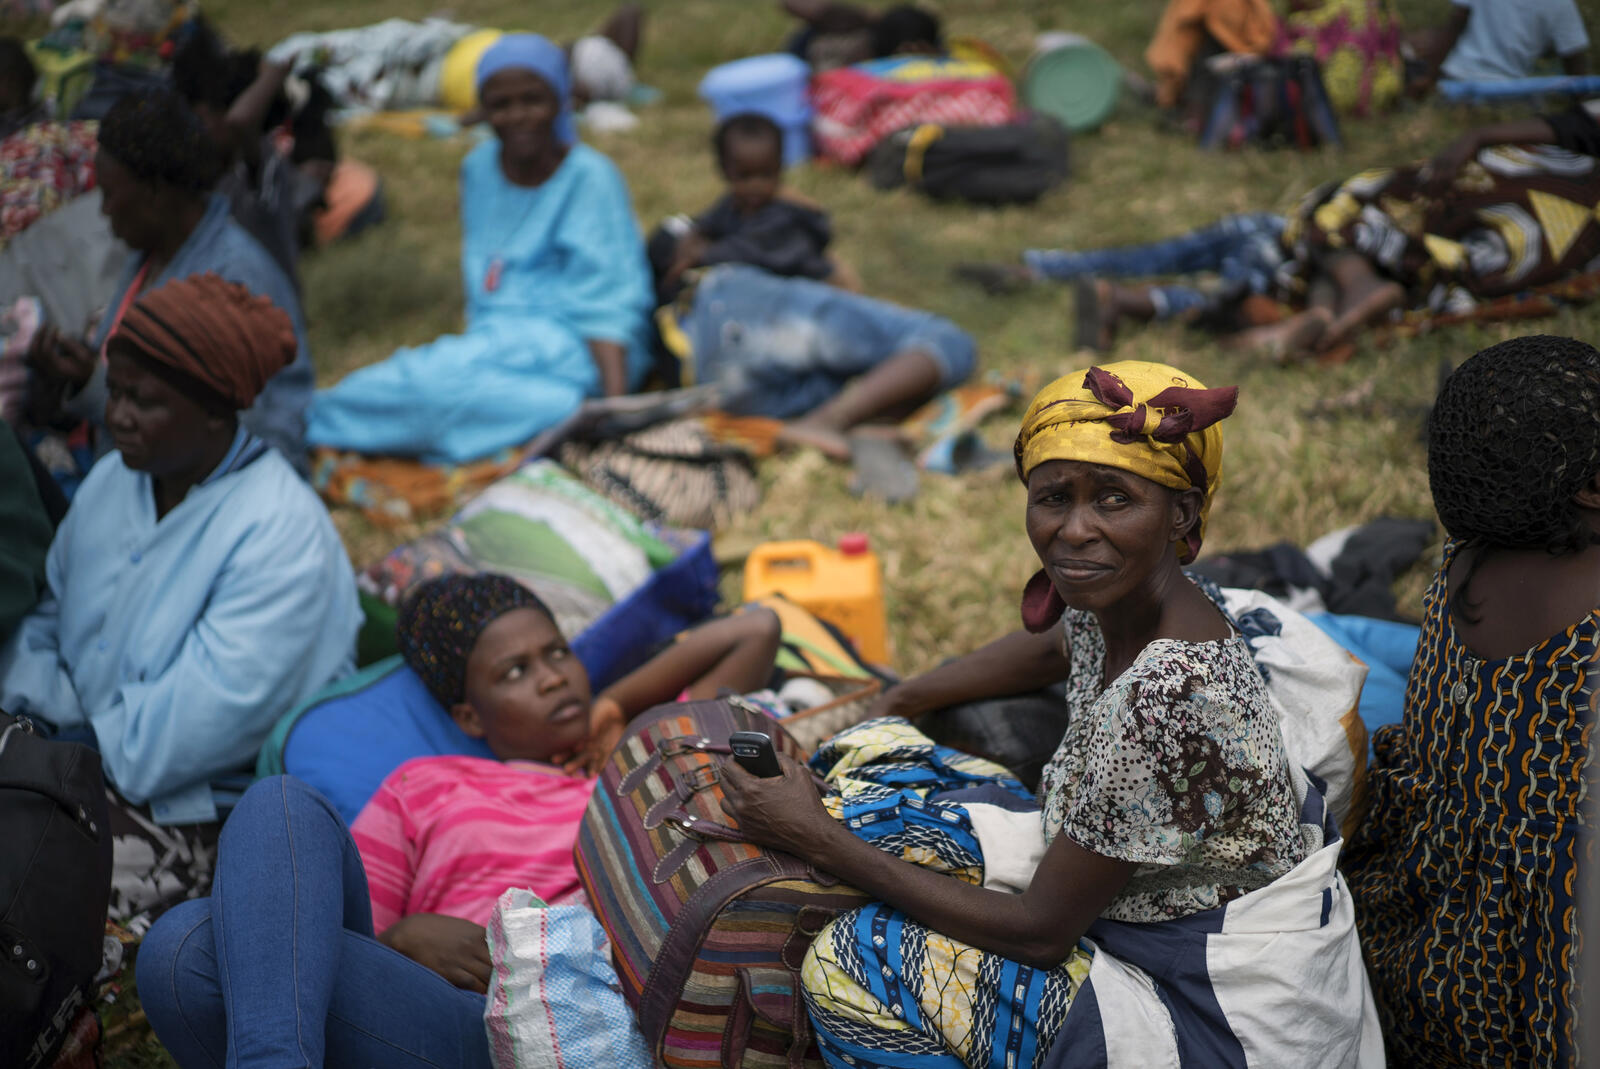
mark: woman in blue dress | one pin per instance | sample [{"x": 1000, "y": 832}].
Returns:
[{"x": 558, "y": 287}]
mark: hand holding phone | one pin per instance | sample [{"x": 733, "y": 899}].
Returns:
[{"x": 753, "y": 750}]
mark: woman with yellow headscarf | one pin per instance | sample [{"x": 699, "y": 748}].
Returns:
[{"x": 1122, "y": 918}]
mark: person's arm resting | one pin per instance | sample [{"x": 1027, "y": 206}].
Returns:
[
  {"x": 612, "y": 360},
  {"x": 734, "y": 653},
  {"x": 1019, "y": 663},
  {"x": 1460, "y": 15}
]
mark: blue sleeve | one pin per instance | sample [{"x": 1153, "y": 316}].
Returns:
[
  {"x": 283, "y": 599},
  {"x": 606, "y": 288},
  {"x": 1567, "y": 34}
]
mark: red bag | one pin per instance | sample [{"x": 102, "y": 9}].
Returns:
[{"x": 857, "y": 107}]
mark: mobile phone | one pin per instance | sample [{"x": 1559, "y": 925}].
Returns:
[{"x": 753, "y": 750}]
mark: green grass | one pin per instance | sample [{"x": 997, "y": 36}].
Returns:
[{"x": 955, "y": 558}]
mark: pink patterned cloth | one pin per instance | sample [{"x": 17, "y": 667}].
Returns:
[
  {"x": 856, "y": 107},
  {"x": 41, "y": 168},
  {"x": 450, "y": 834}
]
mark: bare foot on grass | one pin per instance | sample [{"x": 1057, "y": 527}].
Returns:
[
  {"x": 1368, "y": 305},
  {"x": 802, "y": 435},
  {"x": 1286, "y": 341}
]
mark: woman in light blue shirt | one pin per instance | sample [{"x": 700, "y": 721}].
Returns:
[{"x": 558, "y": 288}]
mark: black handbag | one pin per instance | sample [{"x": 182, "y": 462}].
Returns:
[
  {"x": 1012, "y": 164},
  {"x": 55, "y": 886},
  {"x": 1237, "y": 100}
]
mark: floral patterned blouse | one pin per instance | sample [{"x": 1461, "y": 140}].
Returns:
[{"x": 1177, "y": 764}]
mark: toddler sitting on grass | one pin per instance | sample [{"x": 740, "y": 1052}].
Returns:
[
  {"x": 756, "y": 222},
  {"x": 366, "y": 946}
]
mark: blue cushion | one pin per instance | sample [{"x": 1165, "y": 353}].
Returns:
[
  {"x": 347, "y": 739},
  {"x": 1387, "y": 649}
]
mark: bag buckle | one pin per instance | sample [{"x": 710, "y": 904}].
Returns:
[
  {"x": 686, "y": 829},
  {"x": 686, "y": 744},
  {"x": 699, "y": 778}
]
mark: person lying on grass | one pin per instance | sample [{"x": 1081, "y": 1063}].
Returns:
[
  {"x": 1499, "y": 210},
  {"x": 366, "y": 946},
  {"x": 823, "y": 361}
]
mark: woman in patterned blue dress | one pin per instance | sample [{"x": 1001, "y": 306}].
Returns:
[{"x": 1464, "y": 870}]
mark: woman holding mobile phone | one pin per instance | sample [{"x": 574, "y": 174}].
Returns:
[{"x": 1170, "y": 815}]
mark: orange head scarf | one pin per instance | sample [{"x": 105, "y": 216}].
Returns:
[{"x": 211, "y": 332}]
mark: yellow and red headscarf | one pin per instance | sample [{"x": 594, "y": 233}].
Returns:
[{"x": 1147, "y": 418}]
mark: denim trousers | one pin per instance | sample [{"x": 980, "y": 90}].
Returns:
[
  {"x": 782, "y": 346},
  {"x": 279, "y": 966},
  {"x": 1242, "y": 249}
]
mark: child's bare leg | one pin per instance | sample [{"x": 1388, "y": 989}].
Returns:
[
  {"x": 1103, "y": 305},
  {"x": 892, "y": 389},
  {"x": 1365, "y": 297},
  {"x": 1286, "y": 340}
]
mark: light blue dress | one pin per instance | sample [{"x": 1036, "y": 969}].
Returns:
[
  {"x": 181, "y": 641},
  {"x": 546, "y": 270},
  {"x": 221, "y": 245}
]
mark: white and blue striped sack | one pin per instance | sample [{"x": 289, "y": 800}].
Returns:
[{"x": 554, "y": 998}]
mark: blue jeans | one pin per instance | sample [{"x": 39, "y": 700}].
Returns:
[
  {"x": 1243, "y": 249},
  {"x": 783, "y": 346},
  {"x": 279, "y": 966}
]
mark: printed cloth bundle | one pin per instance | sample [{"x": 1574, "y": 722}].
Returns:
[
  {"x": 857, "y": 107},
  {"x": 41, "y": 168},
  {"x": 579, "y": 552}
]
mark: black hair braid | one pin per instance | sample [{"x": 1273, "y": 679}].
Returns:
[{"x": 155, "y": 135}]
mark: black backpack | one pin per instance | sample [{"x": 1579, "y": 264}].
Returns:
[
  {"x": 55, "y": 886},
  {"x": 1236, "y": 100},
  {"x": 1013, "y": 164}
]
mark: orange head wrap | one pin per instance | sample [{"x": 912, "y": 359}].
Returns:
[{"x": 212, "y": 332}]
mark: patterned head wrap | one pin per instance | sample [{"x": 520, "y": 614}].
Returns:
[
  {"x": 1146, "y": 418},
  {"x": 442, "y": 619},
  {"x": 1513, "y": 437},
  {"x": 219, "y": 342},
  {"x": 536, "y": 55}
]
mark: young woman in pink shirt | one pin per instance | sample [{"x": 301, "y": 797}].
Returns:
[{"x": 321, "y": 945}]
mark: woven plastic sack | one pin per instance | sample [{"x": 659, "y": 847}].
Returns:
[
  {"x": 673, "y": 474},
  {"x": 554, "y": 999}
]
